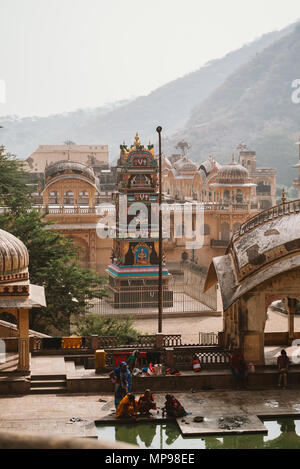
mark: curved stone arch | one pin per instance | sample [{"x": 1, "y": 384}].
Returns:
[
  {"x": 11, "y": 316},
  {"x": 83, "y": 255},
  {"x": 67, "y": 184},
  {"x": 227, "y": 197},
  {"x": 239, "y": 196},
  {"x": 69, "y": 197}
]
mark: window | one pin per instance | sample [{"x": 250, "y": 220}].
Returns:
[
  {"x": 239, "y": 196},
  {"x": 225, "y": 232},
  {"x": 227, "y": 195},
  {"x": 205, "y": 229}
]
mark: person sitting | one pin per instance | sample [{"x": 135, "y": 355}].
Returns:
[
  {"x": 146, "y": 403},
  {"x": 239, "y": 367},
  {"x": 128, "y": 407},
  {"x": 283, "y": 364},
  {"x": 173, "y": 408}
]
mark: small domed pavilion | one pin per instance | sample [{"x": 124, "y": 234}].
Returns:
[
  {"x": 70, "y": 183},
  {"x": 17, "y": 295},
  {"x": 233, "y": 185}
]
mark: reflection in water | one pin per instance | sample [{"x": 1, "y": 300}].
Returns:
[
  {"x": 172, "y": 432},
  {"x": 281, "y": 435},
  {"x": 126, "y": 432},
  {"x": 146, "y": 433},
  {"x": 288, "y": 438}
]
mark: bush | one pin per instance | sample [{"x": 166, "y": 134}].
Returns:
[{"x": 122, "y": 329}]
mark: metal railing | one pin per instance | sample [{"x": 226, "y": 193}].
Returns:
[{"x": 142, "y": 300}]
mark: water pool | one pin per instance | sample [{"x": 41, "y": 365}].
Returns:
[{"x": 283, "y": 433}]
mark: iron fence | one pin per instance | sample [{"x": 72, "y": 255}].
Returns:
[{"x": 138, "y": 301}]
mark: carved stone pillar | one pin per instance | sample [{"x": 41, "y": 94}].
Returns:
[{"x": 291, "y": 304}]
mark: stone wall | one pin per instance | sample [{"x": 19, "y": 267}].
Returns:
[{"x": 194, "y": 280}]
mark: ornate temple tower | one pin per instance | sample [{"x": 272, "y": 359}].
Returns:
[{"x": 133, "y": 273}]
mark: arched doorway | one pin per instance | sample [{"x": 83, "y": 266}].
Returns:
[
  {"x": 69, "y": 198},
  {"x": 225, "y": 232}
]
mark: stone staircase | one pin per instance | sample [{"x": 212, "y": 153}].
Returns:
[{"x": 48, "y": 384}]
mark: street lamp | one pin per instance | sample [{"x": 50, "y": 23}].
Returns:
[{"x": 160, "y": 290}]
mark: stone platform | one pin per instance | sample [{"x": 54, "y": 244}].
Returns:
[
  {"x": 212, "y": 425},
  {"x": 75, "y": 414}
]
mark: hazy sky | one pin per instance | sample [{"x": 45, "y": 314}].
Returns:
[{"x": 60, "y": 55}]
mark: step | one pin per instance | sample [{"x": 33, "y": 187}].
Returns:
[
  {"x": 47, "y": 384},
  {"x": 43, "y": 390},
  {"x": 47, "y": 377}
]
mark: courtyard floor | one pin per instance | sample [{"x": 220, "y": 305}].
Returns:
[
  {"x": 189, "y": 327},
  {"x": 74, "y": 415}
]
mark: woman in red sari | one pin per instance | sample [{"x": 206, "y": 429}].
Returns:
[{"x": 173, "y": 408}]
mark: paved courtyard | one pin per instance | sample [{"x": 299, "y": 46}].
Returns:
[
  {"x": 74, "y": 415},
  {"x": 189, "y": 327}
]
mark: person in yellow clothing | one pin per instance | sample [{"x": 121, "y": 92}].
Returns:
[{"x": 128, "y": 407}]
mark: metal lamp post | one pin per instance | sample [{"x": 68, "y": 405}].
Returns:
[{"x": 160, "y": 285}]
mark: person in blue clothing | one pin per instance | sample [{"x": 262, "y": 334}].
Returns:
[{"x": 121, "y": 378}]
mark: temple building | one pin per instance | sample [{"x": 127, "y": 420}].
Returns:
[
  {"x": 44, "y": 155},
  {"x": 75, "y": 195},
  {"x": 265, "y": 179},
  {"x": 133, "y": 272},
  {"x": 184, "y": 180},
  {"x": 261, "y": 265},
  {"x": 229, "y": 194},
  {"x": 70, "y": 194},
  {"x": 94, "y": 156}
]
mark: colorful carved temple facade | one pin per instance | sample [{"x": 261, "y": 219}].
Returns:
[{"x": 133, "y": 272}]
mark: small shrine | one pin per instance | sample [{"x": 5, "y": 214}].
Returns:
[{"x": 133, "y": 273}]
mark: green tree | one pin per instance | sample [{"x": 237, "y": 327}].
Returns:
[
  {"x": 69, "y": 289},
  {"x": 122, "y": 329},
  {"x": 53, "y": 263},
  {"x": 13, "y": 190}
]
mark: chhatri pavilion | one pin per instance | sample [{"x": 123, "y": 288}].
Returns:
[{"x": 17, "y": 295}]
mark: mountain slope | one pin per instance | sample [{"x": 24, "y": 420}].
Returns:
[
  {"x": 169, "y": 106},
  {"x": 253, "y": 105}
]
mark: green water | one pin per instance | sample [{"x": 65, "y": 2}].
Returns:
[{"x": 283, "y": 433}]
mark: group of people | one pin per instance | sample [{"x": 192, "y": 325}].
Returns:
[
  {"x": 240, "y": 368},
  {"x": 131, "y": 407},
  {"x": 128, "y": 406},
  {"x": 126, "y": 403}
]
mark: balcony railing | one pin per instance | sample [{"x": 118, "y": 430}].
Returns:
[
  {"x": 219, "y": 243},
  {"x": 278, "y": 211}
]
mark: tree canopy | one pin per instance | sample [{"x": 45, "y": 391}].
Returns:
[{"x": 53, "y": 257}]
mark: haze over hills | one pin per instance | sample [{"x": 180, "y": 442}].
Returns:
[
  {"x": 169, "y": 106},
  {"x": 253, "y": 105}
]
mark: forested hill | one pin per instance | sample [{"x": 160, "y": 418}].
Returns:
[
  {"x": 253, "y": 105},
  {"x": 169, "y": 106}
]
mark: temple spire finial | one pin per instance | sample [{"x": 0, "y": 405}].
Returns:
[{"x": 137, "y": 140}]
